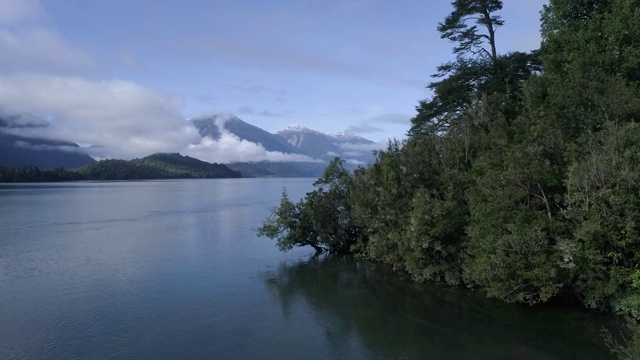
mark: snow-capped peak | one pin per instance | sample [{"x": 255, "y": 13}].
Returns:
[
  {"x": 346, "y": 135},
  {"x": 299, "y": 128}
]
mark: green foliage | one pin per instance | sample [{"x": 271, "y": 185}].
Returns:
[
  {"x": 322, "y": 220},
  {"x": 603, "y": 188},
  {"x": 156, "y": 166},
  {"x": 289, "y": 223},
  {"x": 470, "y": 39},
  {"x": 478, "y": 72},
  {"x": 35, "y": 174},
  {"x": 521, "y": 174},
  {"x": 515, "y": 224}
]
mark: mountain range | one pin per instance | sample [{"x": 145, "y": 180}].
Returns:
[
  {"x": 312, "y": 149},
  {"x": 294, "y": 139},
  {"x": 17, "y": 150}
]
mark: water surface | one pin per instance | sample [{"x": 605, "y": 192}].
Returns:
[{"x": 173, "y": 269}]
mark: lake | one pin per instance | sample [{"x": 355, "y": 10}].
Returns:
[{"x": 174, "y": 270}]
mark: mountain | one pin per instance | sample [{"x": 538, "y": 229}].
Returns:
[
  {"x": 323, "y": 146},
  {"x": 354, "y": 149},
  {"x": 156, "y": 166},
  {"x": 17, "y": 150},
  {"x": 213, "y": 126},
  {"x": 292, "y": 140}
]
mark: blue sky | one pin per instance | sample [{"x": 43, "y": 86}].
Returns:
[{"x": 127, "y": 73}]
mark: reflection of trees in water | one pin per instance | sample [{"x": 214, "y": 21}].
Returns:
[
  {"x": 391, "y": 317},
  {"x": 626, "y": 344}
]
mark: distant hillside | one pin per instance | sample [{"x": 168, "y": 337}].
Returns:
[
  {"x": 19, "y": 151},
  {"x": 156, "y": 166},
  {"x": 279, "y": 169},
  {"x": 295, "y": 142}
]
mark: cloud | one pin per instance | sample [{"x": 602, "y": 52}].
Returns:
[
  {"x": 42, "y": 147},
  {"x": 355, "y": 162},
  {"x": 369, "y": 126},
  {"x": 270, "y": 55},
  {"x": 39, "y": 49},
  {"x": 125, "y": 119},
  {"x": 28, "y": 47},
  {"x": 126, "y": 60},
  {"x": 359, "y": 150},
  {"x": 392, "y": 118},
  {"x": 360, "y": 147},
  {"x": 21, "y": 121},
  {"x": 229, "y": 148},
  {"x": 14, "y": 11},
  {"x": 364, "y": 128},
  {"x": 122, "y": 119},
  {"x": 40, "y": 74},
  {"x": 247, "y": 110}
]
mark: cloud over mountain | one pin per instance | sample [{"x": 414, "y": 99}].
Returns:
[
  {"x": 121, "y": 118},
  {"x": 226, "y": 138}
]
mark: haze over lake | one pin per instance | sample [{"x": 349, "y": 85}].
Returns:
[{"x": 173, "y": 269}]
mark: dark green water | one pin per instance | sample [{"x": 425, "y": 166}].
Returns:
[{"x": 173, "y": 269}]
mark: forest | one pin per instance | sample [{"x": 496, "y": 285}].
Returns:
[
  {"x": 520, "y": 174},
  {"x": 155, "y": 166}
]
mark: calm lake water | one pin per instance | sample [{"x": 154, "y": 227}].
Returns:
[{"x": 173, "y": 270}]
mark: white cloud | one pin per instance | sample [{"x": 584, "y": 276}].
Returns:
[
  {"x": 13, "y": 11},
  {"x": 125, "y": 119},
  {"x": 27, "y": 46},
  {"x": 392, "y": 118},
  {"x": 39, "y": 49},
  {"x": 247, "y": 110},
  {"x": 360, "y": 148},
  {"x": 229, "y": 148},
  {"x": 364, "y": 128},
  {"x": 355, "y": 162},
  {"x": 41, "y": 147}
]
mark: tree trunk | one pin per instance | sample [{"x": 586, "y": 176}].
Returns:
[
  {"x": 319, "y": 250},
  {"x": 492, "y": 35}
]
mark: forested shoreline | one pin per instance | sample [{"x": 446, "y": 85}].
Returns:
[
  {"x": 520, "y": 176},
  {"x": 156, "y": 166}
]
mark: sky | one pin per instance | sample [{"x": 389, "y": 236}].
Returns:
[{"x": 124, "y": 75}]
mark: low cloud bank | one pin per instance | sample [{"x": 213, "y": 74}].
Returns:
[{"x": 229, "y": 148}]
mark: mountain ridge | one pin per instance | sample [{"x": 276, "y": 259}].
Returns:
[
  {"x": 215, "y": 125},
  {"x": 19, "y": 150},
  {"x": 156, "y": 166}
]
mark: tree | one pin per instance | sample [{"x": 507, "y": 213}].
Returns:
[
  {"x": 470, "y": 39},
  {"x": 592, "y": 64},
  {"x": 380, "y": 199},
  {"x": 322, "y": 220},
  {"x": 478, "y": 72},
  {"x": 604, "y": 207},
  {"x": 515, "y": 205}
]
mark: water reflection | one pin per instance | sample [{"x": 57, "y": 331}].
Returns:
[{"x": 366, "y": 309}]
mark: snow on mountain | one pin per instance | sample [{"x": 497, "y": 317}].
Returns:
[
  {"x": 213, "y": 126},
  {"x": 351, "y": 147},
  {"x": 294, "y": 139},
  {"x": 346, "y": 136}
]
